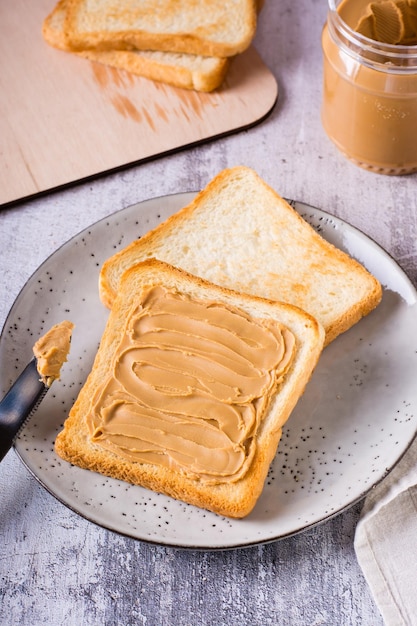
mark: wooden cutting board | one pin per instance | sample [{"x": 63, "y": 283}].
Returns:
[{"x": 63, "y": 118}]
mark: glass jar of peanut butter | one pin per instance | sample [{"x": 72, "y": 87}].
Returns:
[{"x": 369, "y": 105}]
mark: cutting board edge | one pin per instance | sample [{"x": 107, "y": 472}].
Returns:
[{"x": 73, "y": 183}]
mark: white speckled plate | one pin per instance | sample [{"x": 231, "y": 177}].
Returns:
[{"x": 354, "y": 422}]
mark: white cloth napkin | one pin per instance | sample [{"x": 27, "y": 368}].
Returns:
[{"x": 386, "y": 542}]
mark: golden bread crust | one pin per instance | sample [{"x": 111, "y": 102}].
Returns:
[{"x": 220, "y": 28}]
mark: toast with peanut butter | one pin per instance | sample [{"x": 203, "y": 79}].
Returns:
[
  {"x": 211, "y": 28},
  {"x": 239, "y": 233},
  {"x": 190, "y": 388},
  {"x": 187, "y": 71}
]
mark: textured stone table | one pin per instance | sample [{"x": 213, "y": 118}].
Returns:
[{"x": 57, "y": 568}]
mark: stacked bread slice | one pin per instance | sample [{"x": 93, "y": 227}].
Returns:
[
  {"x": 218, "y": 318},
  {"x": 239, "y": 233},
  {"x": 184, "y": 44}
]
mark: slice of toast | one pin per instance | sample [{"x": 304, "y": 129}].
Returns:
[
  {"x": 190, "y": 388},
  {"x": 212, "y": 28},
  {"x": 239, "y": 233},
  {"x": 187, "y": 71}
]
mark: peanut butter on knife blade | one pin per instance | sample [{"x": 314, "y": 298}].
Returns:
[{"x": 51, "y": 351}]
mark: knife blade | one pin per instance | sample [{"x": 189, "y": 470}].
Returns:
[{"x": 19, "y": 403}]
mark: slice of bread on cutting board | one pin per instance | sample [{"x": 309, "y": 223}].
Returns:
[
  {"x": 190, "y": 388},
  {"x": 212, "y": 28},
  {"x": 239, "y": 233},
  {"x": 187, "y": 71}
]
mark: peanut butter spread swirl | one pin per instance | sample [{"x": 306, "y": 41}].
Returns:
[
  {"x": 191, "y": 381},
  {"x": 390, "y": 21}
]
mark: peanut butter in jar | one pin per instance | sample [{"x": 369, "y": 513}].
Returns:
[{"x": 370, "y": 82}]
